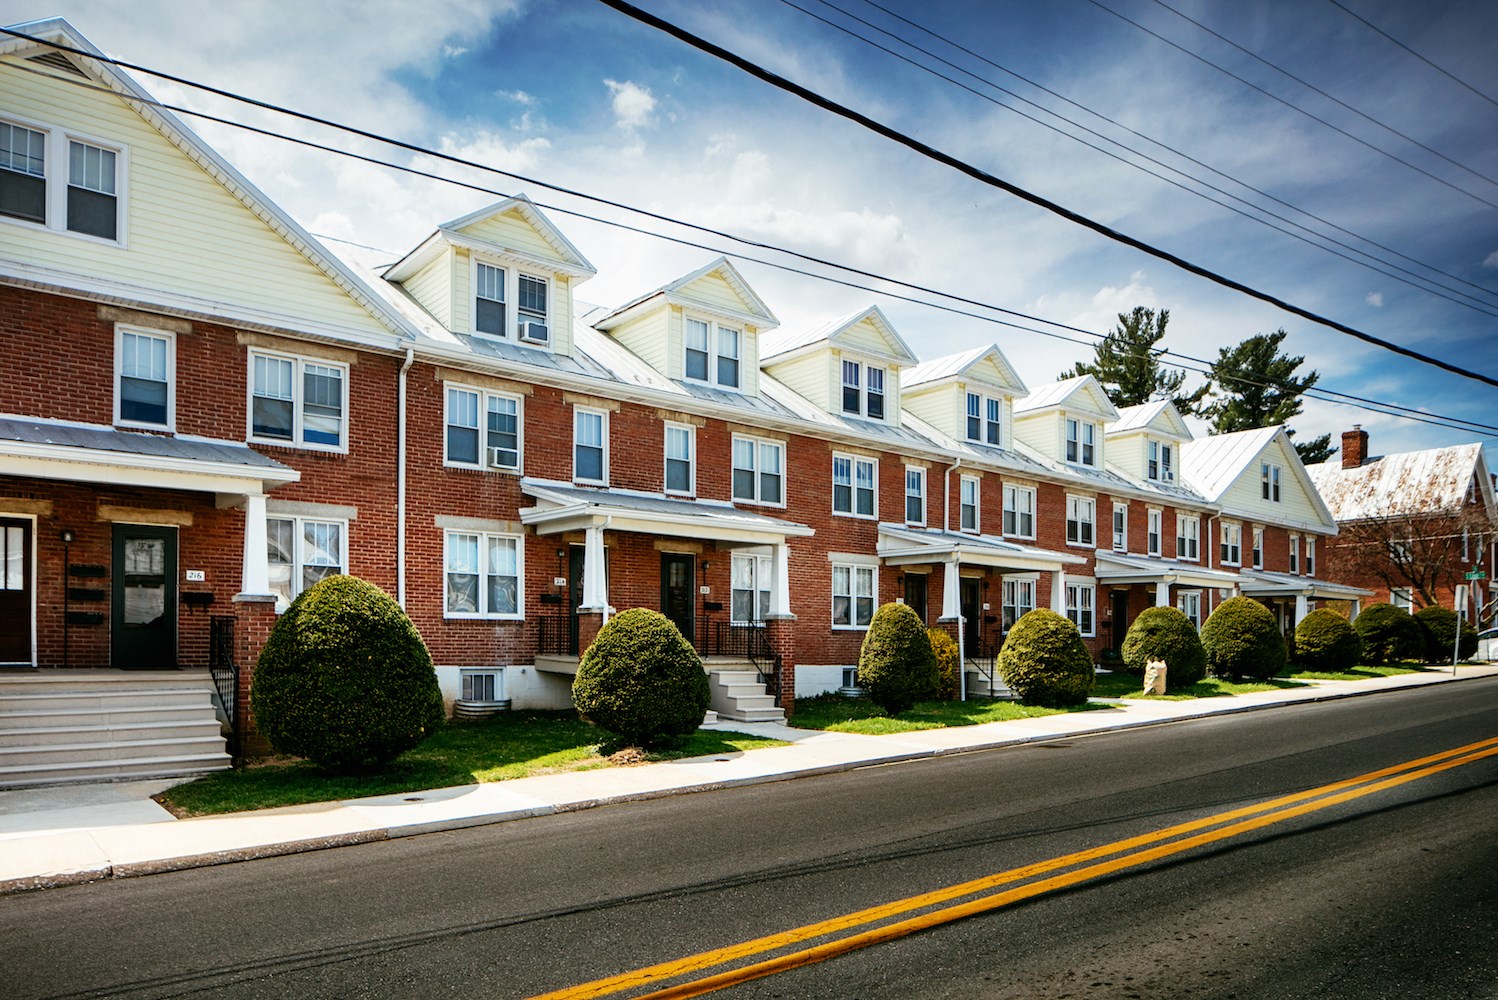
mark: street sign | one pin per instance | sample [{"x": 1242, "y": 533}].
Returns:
[{"x": 1477, "y": 574}]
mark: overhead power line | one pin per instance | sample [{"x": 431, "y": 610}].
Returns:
[
  {"x": 1183, "y": 361},
  {"x": 984, "y": 177},
  {"x": 1441, "y": 70}
]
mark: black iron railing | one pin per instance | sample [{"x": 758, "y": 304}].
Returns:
[
  {"x": 225, "y": 674},
  {"x": 750, "y": 641},
  {"x": 981, "y": 650},
  {"x": 556, "y": 635}
]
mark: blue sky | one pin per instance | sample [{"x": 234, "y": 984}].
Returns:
[{"x": 574, "y": 93}]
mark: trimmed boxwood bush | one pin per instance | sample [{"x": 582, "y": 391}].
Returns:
[
  {"x": 1045, "y": 662},
  {"x": 641, "y": 680},
  {"x": 1324, "y": 640},
  {"x": 1389, "y": 634},
  {"x": 1165, "y": 634},
  {"x": 944, "y": 648},
  {"x": 344, "y": 679},
  {"x": 1439, "y": 627},
  {"x": 1241, "y": 639},
  {"x": 896, "y": 666}
]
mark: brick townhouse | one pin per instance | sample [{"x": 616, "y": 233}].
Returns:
[{"x": 204, "y": 411}]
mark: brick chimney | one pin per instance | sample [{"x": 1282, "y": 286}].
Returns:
[{"x": 1354, "y": 447}]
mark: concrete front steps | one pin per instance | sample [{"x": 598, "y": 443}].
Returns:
[
  {"x": 62, "y": 726},
  {"x": 979, "y": 686},
  {"x": 738, "y": 694}
]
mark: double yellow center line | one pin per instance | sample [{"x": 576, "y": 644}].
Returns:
[{"x": 942, "y": 905}]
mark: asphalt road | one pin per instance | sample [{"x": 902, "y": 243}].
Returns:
[{"x": 1393, "y": 893}]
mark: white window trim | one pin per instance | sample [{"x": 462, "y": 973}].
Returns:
[
  {"x": 760, "y": 562},
  {"x": 1271, "y": 479},
  {"x": 604, "y": 414},
  {"x": 1181, "y": 600},
  {"x": 512, "y": 272},
  {"x": 1310, "y": 555},
  {"x": 483, "y": 464},
  {"x": 853, "y": 567},
  {"x": 299, "y": 398},
  {"x": 1016, "y": 582},
  {"x": 1294, "y": 555},
  {"x": 55, "y": 178},
  {"x": 120, "y": 329},
  {"x": 853, "y": 461},
  {"x": 483, "y": 536},
  {"x": 784, "y": 471},
  {"x": 1156, "y": 517},
  {"x": 977, "y": 482},
  {"x": 712, "y": 351},
  {"x": 1073, "y": 611},
  {"x": 1112, "y": 527},
  {"x": 1224, "y": 543},
  {"x": 1097, "y": 443},
  {"x": 1181, "y": 521},
  {"x": 983, "y": 421},
  {"x": 1034, "y": 514},
  {"x": 691, "y": 431},
  {"x": 298, "y": 523},
  {"x": 920, "y": 471},
  {"x": 1256, "y": 548},
  {"x": 1080, "y": 500}
]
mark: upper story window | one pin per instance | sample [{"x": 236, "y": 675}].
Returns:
[
  {"x": 1081, "y": 442},
  {"x": 853, "y": 485},
  {"x": 1188, "y": 536},
  {"x": 531, "y": 316},
  {"x": 483, "y": 429},
  {"x": 590, "y": 445},
  {"x": 297, "y": 401},
  {"x": 494, "y": 287},
  {"x": 915, "y": 495},
  {"x": 863, "y": 390},
  {"x": 1310, "y": 556},
  {"x": 33, "y": 189},
  {"x": 681, "y": 458},
  {"x": 1155, "y": 530},
  {"x": 967, "y": 519},
  {"x": 1232, "y": 544},
  {"x": 1081, "y": 513},
  {"x": 1269, "y": 482},
  {"x": 1161, "y": 465},
  {"x": 300, "y": 552},
  {"x": 759, "y": 471},
  {"x": 1019, "y": 511},
  {"x": 1120, "y": 527},
  {"x": 144, "y": 363},
  {"x": 482, "y": 575},
  {"x": 983, "y": 418},
  {"x": 1258, "y": 548},
  {"x": 712, "y": 352},
  {"x": 1295, "y": 555},
  {"x": 489, "y": 300}
]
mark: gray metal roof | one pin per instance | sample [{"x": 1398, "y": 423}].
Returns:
[
  {"x": 629, "y": 500},
  {"x": 44, "y": 432}
]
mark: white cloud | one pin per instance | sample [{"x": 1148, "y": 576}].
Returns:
[
  {"x": 1491, "y": 260},
  {"x": 520, "y": 97},
  {"x": 492, "y": 150},
  {"x": 633, "y": 104},
  {"x": 454, "y": 51},
  {"x": 1375, "y": 299}
]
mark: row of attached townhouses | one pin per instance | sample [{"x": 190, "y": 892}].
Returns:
[{"x": 204, "y": 411}]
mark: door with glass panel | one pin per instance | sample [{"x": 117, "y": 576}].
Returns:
[
  {"x": 16, "y": 591},
  {"x": 143, "y": 605}
]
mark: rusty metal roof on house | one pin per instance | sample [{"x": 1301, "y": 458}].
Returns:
[{"x": 1413, "y": 482}]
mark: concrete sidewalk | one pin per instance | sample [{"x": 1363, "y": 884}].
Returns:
[{"x": 64, "y": 835}]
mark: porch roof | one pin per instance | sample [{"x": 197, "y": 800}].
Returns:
[
  {"x": 904, "y": 546},
  {"x": 565, "y": 507},
  {"x": 1116, "y": 567},
  {"x": 1261, "y": 583},
  {"x": 90, "y": 453}
]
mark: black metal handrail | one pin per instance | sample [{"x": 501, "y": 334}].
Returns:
[
  {"x": 225, "y": 674},
  {"x": 556, "y": 635},
  {"x": 750, "y": 641}
]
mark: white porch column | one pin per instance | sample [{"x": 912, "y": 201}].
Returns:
[
  {"x": 951, "y": 599},
  {"x": 254, "y": 573},
  {"x": 1357, "y": 607},
  {"x": 595, "y": 587},
  {"x": 1300, "y": 607},
  {"x": 1058, "y": 591},
  {"x": 780, "y": 581},
  {"x": 1162, "y": 594}
]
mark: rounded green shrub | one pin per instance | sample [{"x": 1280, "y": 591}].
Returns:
[
  {"x": 1324, "y": 640},
  {"x": 1045, "y": 662},
  {"x": 1165, "y": 634},
  {"x": 641, "y": 680},
  {"x": 344, "y": 679},
  {"x": 1439, "y": 627},
  {"x": 896, "y": 666},
  {"x": 1389, "y": 634},
  {"x": 944, "y": 648},
  {"x": 1241, "y": 639}
]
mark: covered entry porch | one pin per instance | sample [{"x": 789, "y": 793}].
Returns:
[
  {"x": 1291, "y": 598},
  {"x": 1133, "y": 583}
]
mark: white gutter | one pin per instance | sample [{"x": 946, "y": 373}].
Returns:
[{"x": 400, "y": 482}]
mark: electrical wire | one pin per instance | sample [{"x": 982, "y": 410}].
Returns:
[{"x": 1375, "y": 28}]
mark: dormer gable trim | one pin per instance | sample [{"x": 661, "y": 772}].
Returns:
[
  {"x": 958, "y": 369},
  {"x": 450, "y": 234},
  {"x": 1158, "y": 419},
  {"x": 899, "y": 353},
  {"x": 1081, "y": 396},
  {"x": 757, "y": 315}
]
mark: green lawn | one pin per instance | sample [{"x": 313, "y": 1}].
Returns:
[
  {"x": 859, "y": 715},
  {"x": 1355, "y": 674},
  {"x": 1121, "y": 685},
  {"x": 511, "y": 745}
]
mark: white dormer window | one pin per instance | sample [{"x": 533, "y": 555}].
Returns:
[
  {"x": 1160, "y": 462},
  {"x": 489, "y": 300},
  {"x": 873, "y": 402},
  {"x": 983, "y": 415},
  {"x": 1269, "y": 482},
  {"x": 712, "y": 353},
  {"x": 61, "y": 181},
  {"x": 1081, "y": 440},
  {"x": 530, "y": 312},
  {"x": 863, "y": 390},
  {"x": 494, "y": 288}
]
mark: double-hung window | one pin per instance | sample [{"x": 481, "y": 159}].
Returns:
[
  {"x": 1269, "y": 482},
  {"x": 1019, "y": 511},
  {"x": 93, "y": 207},
  {"x": 873, "y": 400},
  {"x": 1294, "y": 555},
  {"x": 494, "y": 288},
  {"x": 968, "y": 504},
  {"x": 590, "y": 445},
  {"x": 915, "y": 495},
  {"x": 852, "y": 392},
  {"x": 758, "y": 471},
  {"x": 1154, "y": 530},
  {"x": 1018, "y": 600},
  {"x": 852, "y": 595},
  {"x": 1190, "y": 603},
  {"x": 1310, "y": 556},
  {"x": 300, "y": 552},
  {"x": 298, "y": 401},
  {"x": 1258, "y": 548},
  {"x": 983, "y": 418},
  {"x": 23, "y": 173},
  {"x": 974, "y": 417},
  {"x": 1159, "y": 463},
  {"x": 750, "y": 587},
  {"x": 853, "y": 485},
  {"x": 34, "y": 188},
  {"x": 530, "y": 309},
  {"x": 1081, "y": 442},
  {"x": 483, "y": 429},
  {"x": 144, "y": 363},
  {"x": 489, "y": 300},
  {"x": 1232, "y": 544},
  {"x": 1188, "y": 537},
  {"x": 482, "y": 575},
  {"x": 863, "y": 390},
  {"x": 1079, "y": 606},
  {"x": 712, "y": 352},
  {"x": 681, "y": 458},
  {"x": 1120, "y": 527},
  {"x": 1081, "y": 513}
]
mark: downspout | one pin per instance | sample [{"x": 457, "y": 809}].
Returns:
[
  {"x": 946, "y": 527},
  {"x": 400, "y": 483},
  {"x": 1211, "y": 547}
]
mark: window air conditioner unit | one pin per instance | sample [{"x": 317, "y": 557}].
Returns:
[
  {"x": 535, "y": 333},
  {"x": 501, "y": 458}
]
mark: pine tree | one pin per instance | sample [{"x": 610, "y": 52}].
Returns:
[
  {"x": 1127, "y": 363},
  {"x": 1257, "y": 387}
]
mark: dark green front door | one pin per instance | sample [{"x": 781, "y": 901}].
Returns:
[
  {"x": 678, "y": 592},
  {"x": 143, "y": 597}
]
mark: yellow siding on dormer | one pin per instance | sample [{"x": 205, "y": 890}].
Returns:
[
  {"x": 185, "y": 234},
  {"x": 1043, "y": 432},
  {"x": 986, "y": 371},
  {"x": 561, "y": 315},
  {"x": 1128, "y": 453},
  {"x": 936, "y": 407},
  {"x": 512, "y": 230},
  {"x": 462, "y": 291},
  {"x": 648, "y": 337},
  {"x": 865, "y": 336},
  {"x": 432, "y": 287},
  {"x": 808, "y": 376},
  {"x": 1246, "y": 494},
  {"x": 714, "y": 292}
]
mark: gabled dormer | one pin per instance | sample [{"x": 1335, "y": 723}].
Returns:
[
  {"x": 503, "y": 273},
  {"x": 851, "y": 367},
  {"x": 1145, "y": 441},
  {"x": 702, "y": 329},
  {"x": 1065, "y": 420},
  {"x": 969, "y": 396}
]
